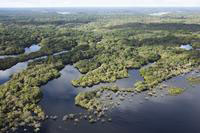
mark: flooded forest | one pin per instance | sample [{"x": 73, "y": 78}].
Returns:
[{"x": 100, "y": 70}]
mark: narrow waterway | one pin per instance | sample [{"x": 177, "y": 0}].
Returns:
[
  {"x": 28, "y": 50},
  {"x": 5, "y": 75}
]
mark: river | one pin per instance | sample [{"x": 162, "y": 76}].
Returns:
[
  {"x": 166, "y": 114},
  {"x": 158, "y": 114},
  {"x": 28, "y": 50},
  {"x": 5, "y": 75}
]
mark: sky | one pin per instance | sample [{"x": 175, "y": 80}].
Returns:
[{"x": 99, "y": 3}]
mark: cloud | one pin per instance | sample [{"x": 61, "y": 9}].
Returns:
[
  {"x": 66, "y": 3},
  {"x": 35, "y": 3}
]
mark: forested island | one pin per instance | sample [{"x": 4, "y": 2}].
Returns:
[{"x": 103, "y": 46}]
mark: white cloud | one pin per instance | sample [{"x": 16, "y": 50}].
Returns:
[
  {"x": 66, "y": 3},
  {"x": 34, "y": 3}
]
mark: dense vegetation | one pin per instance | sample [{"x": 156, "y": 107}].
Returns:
[
  {"x": 15, "y": 38},
  {"x": 19, "y": 97},
  {"x": 61, "y": 40},
  {"x": 101, "y": 46},
  {"x": 171, "y": 64}
]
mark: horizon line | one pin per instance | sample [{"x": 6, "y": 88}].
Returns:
[{"x": 172, "y": 6}]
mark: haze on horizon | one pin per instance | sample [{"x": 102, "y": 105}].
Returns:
[{"x": 99, "y": 3}]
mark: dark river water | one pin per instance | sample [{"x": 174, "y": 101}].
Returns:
[{"x": 166, "y": 114}]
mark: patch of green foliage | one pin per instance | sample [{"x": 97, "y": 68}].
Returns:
[
  {"x": 172, "y": 63},
  {"x": 88, "y": 100},
  {"x": 175, "y": 91},
  {"x": 140, "y": 86},
  {"x": 112, "y": 62},
  {"x": 194, "y": 80}
]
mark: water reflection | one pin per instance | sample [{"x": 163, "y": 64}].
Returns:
[
  {"x": 186, "y": 47},
  {"x": 179, "y": 114},
  {"x": 32, "y": 48},
  {"x": 5, "y": 75},
  {"x": 58, "y": 99},
  {"x": 61, "y": 52},
  {"x": 158, "y": 114},
  {"x": 28, "y": 50},
  {"x": 6, "y": 56},
  {"x": 134, "y": 76}
]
